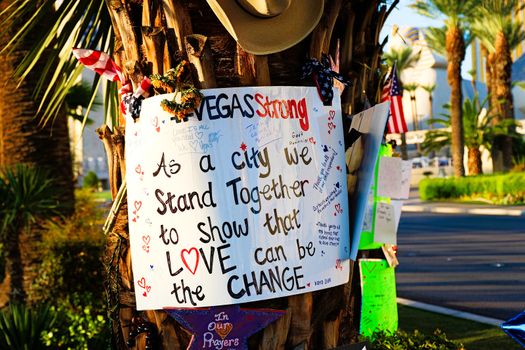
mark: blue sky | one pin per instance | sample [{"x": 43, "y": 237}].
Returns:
[{"x": 404, "y": 16}]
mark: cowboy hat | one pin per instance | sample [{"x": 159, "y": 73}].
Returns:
[{"x": 267, "y": 26}]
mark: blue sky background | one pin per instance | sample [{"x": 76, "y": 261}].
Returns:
[{"x": 404, "y": 16}]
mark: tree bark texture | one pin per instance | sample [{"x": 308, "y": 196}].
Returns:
[
  {"x": 24, "y": 140},
  {"x": 503, "y": 101},
  {"x": 188, "y": 29},
  {"x": 455, "y": 54},
  {"x": 474, "y": 161}
]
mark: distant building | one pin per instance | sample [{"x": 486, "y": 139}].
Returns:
[
  {"x": 430, "y": 69},
  {"x": 87, "y": 149}
]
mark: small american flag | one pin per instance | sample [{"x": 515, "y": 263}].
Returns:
[
  {"x": 101, "y": 63},
  {"x": 393, "y": 92}
]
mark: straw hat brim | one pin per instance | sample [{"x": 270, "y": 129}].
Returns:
[{"x": 261, "y": 36}]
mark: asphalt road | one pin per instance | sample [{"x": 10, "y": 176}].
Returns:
[{"x": 470, "y": 263}]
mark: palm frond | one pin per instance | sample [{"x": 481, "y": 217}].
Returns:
[
  {"x": 454, "y": 11},
  {"x": 22, "y": 327},
  {"x": 436, "y": 38},
  {"x": 403, "y": 58},
  {"x": 428, "y": 88},
  {"x": 51, "y": 30},
  {"x": 28, "y": 194},
  {"x": 495, "y": 17},
  {"x": 435, "y": 140}
]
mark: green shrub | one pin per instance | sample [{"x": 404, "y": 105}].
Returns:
[
  {"x": 70, "y": 278},
  {"x": 401, "y": 340},
  {"x": 78, "y": 328},
  {"x": 500, "y": 188},
  {"x": 21, "y": 327},
  {"x": 91, "y": 181},
  {"x": 71, "y": 253}
]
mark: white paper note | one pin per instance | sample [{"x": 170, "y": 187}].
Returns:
[
  {"x": 406, "y": 172},
  {"x": 389, "y": 177},
  {"x": 385, "y": 224}
]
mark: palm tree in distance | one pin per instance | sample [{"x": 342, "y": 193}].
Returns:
[
  {"x": 430, "y": 91},
  {"x": 28, "y": 194},
  {"x": 411, "y": 89},
  {"x": 436, "y": 39},
  {"x": 455, "y": 13},
  {"x": 499, "y": 31},
  {"x": 479, "y": 129},
  {"x": 403, "y": 57}
]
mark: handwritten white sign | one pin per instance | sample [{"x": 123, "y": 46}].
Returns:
[
  {"x": 394, "y": 177},
  {"x": 244, "y": 201},
  {"x": 385, "y": 224},
  {"x": 389, "y": 177},
  {"x": 406, "y": 173}
]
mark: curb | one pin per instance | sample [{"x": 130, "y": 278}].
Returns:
[
  {"x": 473, "y": 211},
  {"x": 450, "y": 312}
]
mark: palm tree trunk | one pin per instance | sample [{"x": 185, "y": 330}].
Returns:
[
  {"x": 474, "y": 161},
  {"x": 488, "y": 68},
  {"x": 23, "y": 140},
  {"x": 455, "y": 46},
  {"x": 415, "y": 119},
  {"x": 14, "y": 267},
  {"x": 431, "y": 103},
  {"x": 502, "y": 90},
  {"x": 404, "y": 150},
  {"x": 331, "y": 318}
]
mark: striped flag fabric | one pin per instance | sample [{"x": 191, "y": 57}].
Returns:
[
  {"x": 393, "y": 92},
  {"x": 412, "y": 34},
  {"x": 101, "y": 63}
]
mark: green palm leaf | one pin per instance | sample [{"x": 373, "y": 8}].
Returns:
[
  {"x": 495, "y": 17},
  {"x": 55, "y": 29},
  {"x": 28, "y": 194},
  {"x": 21, "y": 327},
  {"x": 403, "y": 58}
]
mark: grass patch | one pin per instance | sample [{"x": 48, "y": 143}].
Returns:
[
  {"x": 502, "y": 189},
  {"x": 102, "y": 196},
  {"x": 473, "y": 335}
]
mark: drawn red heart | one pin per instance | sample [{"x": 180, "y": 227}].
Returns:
[
  {"x": 138, "y": 169},
  {"x": 148, "y": 288},
  {"x": 146, "y": 248},
  {"x": 145, "y": 294},
  {"x": 158, "y": 129},
  {"x": 223, "y": 329},
  {"x": 332, "y": 114},
  {"x": 190, "y": 252},
  {"x": 138, "y": 204},
  {"x": 146, "y": 239},
  {"x": 134, "y": 220},
  {"x": 142, "y": 282}
]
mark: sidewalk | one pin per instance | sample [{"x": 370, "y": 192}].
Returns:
[{"x": 415, "y": 205}]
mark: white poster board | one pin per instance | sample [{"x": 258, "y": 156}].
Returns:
[
  {"x": 244, "y": 201},
  {"x": 371, "y": 123}
]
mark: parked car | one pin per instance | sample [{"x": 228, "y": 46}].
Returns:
[{"x": 420, "y": 162}]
